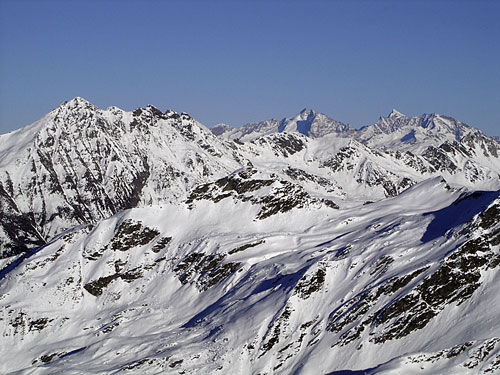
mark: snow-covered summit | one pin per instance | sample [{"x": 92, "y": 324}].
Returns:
[
  {"x": 77, "y": 101},
  {"x": 412, "y": 133},
  {"x": 397, "y": 131},
  {"x": 308, "y": 122},
  {"x": 396, "y": 113},
  {"x": 79, "y": 164}
]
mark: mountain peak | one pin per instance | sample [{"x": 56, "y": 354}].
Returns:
[
  {"x": 76, "y": 104},
  {"x": 77, "y": 101},
  {"x": 307, "y": 111},
  {"x": 396, "y": 113},
  {"x": 221, "y": 128},
  {"x": 155, "y": 111}
]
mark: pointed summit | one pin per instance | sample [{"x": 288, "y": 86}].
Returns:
[
  {"x": 77, "y": 101},
  {"x": 309, "y": 122},
  {"x": 307, "y": 111},
  {"x": 395, "y": 113},
  {"x": 76, "y": 104}
]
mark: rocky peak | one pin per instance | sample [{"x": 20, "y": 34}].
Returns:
[
  {"x": 149, "y": 111},
  {"x": 154, "y": 110},
  {"x": 477, "y": 140},
  {"x": 75, "y": 105},
  {"x": 307, "y": 113},
  {"x": 395, "y": 114},
  {"x": 78, "y": 101},
  {"x": 412, "y": 133},
  {"x": 170, "y": 113}
]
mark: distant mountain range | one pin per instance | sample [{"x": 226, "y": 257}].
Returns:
[
  {"x": 396, "y": 131},
  {"x": 143, "y": 242}
]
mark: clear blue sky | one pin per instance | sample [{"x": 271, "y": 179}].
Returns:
[{"x": 238, "y": 62}]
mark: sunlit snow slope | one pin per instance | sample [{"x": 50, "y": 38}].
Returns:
[{"x": 208, "y": 287}]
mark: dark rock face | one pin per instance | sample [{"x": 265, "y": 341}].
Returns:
[
  {"x": 300, "y": 175},
  {"x": 97, "y": 286},
  {"x": 205, "y": 270},
  {"x": 21, "y": 235},
  {"x": 310, "y": 284},
  {"x": 282, "y": 197},
  {"x": 285, "y": 144},
  {"x": 273, "y": 335},
  {"x": 244, "y": 247},
  {"x": 488, "y": 146},
  {"x": 130, "y": 234},
  {"x": 439, "y": 159},
  {"x": 342, "y": 160},
  {"x": 388, "y": 181},
  {"x": 161, "y": 244},
  {"x": 415, "y": 162}
]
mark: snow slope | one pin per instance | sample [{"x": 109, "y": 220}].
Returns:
[{"x": 408, "y": 283}]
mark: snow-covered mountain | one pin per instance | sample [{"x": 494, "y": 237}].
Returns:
[
  {"x": 405, "y": 133},
  {"x": 220, "y": 129},
  {"x": 396, "y": 132},
  {"x": 80, "y": 164},
  {"x": 141, "y": 243},
  {"x": 378, "y": 160},
  {"x": 307, "y": 122}
]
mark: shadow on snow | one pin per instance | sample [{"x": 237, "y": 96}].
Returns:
[{"x": 459, "y": 212}]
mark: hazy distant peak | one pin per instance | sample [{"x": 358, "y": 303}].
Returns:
[{"x": 395, "y": 113}]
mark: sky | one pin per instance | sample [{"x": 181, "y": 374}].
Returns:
[{"x": 245, "y": 61}]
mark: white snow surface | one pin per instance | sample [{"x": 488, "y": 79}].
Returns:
[{"x": 271, "y": 315}]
